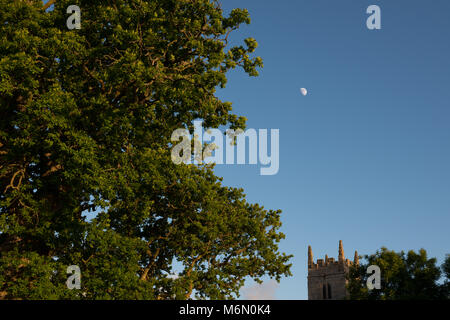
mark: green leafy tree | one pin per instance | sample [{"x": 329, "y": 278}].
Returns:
[
  {"x": 411, "y": 276},
  {"x": 86, "y": 118},
  {"x": 446, "y": 270},
  {"x": 446, "y": 267}
]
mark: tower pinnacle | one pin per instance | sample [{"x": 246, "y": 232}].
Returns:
[
  {"x": 310, "y": 256},
  {"x": 341, "y": 251},
  {"x": 356, "y": 259}
]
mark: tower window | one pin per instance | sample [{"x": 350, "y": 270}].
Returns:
[
  {"x": 324, "y": 293},
  {"x": 329, "y": 291}
]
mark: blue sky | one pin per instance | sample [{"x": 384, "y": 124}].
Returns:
[{"x": 365, "y": 156}]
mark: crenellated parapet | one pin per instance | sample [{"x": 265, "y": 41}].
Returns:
[{"x": 331, "y": 262}]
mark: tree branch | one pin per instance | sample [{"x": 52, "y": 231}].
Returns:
[{"x": 48, "y": 4}]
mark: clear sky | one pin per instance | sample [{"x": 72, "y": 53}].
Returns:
[{"x": 365, "y": 156}]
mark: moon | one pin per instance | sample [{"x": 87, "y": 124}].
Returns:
[{"x": 304, "y": 91}]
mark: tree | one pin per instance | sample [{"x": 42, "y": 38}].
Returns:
[
  {"x": 86, "y": 120},
  {"x": 411, "y": 276},
  {"x": 446, "y": 270},
  {"x": 446, "y": 266}
]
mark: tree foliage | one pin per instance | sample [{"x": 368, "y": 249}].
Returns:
[
  {"x": 410, "y": 276},
  {"x": 85, "y": 123}
]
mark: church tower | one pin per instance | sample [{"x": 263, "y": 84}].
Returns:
[{"x": 327, "y": 279}]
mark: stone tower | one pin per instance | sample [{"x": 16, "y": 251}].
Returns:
[{"x": 327, "y": 279}]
